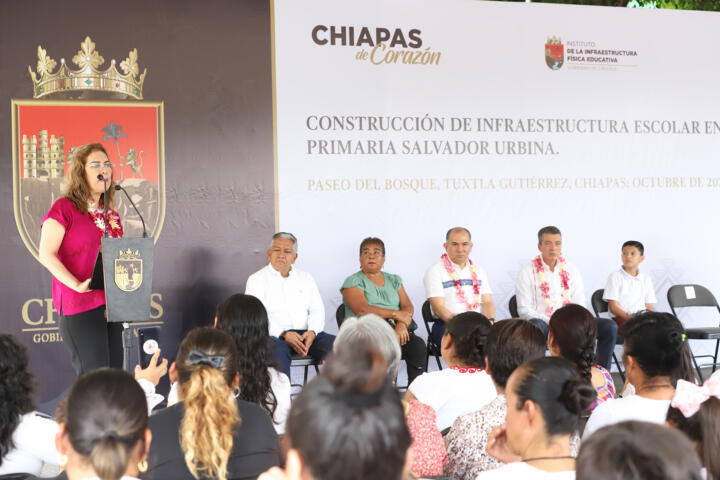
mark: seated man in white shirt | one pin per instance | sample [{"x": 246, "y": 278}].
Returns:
[
  {"x": 295, "y": 310},
  {"x": 627, "y": 290},
  {"x": 455, "y": 285},
  {"x": 548, "y": 283}
]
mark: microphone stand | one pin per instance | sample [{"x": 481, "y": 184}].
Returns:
[
  {"x": 118, "y": 187},
  {"x": 105, "y": 203}
]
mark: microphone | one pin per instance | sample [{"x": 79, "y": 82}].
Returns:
[
  {"x": 118, "y": 187},
  {"x": 104, "y": 180}
]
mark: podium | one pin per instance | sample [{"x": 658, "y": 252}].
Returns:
[{"x": 127, "y": 267}]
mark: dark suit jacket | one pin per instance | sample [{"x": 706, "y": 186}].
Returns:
[{"x": 255, "y": 445}]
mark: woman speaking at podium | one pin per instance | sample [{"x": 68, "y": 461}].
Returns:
[{"x": 69, "y": 242}]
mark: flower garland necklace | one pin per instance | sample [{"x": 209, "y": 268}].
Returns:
[
  {"x": 545, "y": 286},
  {"x": 467, "y": 369},
  {"x": 458, "y": 287},
  {"x": 97, "y": 215}
]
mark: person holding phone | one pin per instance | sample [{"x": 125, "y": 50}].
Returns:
[{"x": 71, "y": 233}]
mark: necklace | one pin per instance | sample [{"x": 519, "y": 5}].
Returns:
[
  {"x": 561, "y": 457},
  {"x": 466, "y": 369},
  {"x": 458, "y": 286},
  {"x": 653, "y": 386},
  {"x": 545, "y": 286}
]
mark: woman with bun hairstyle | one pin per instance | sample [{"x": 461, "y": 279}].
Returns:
[
  {"x": 465, "y": 386},
  {"x": 572, "y": 336},
  {"x": 209, "y": 433},
  {"x": 695, "y": 410},
  {"x": 545, "y": 399},
  {"x": 69, "y": 242},
  {"x": 348, "y": 423},
  {"x": 105, "y": 431},
  {"x": 653, "y": 355}
]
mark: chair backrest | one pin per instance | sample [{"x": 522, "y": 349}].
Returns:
[
  {"x": 512, "y": 306},
  {"x": 700, "y": 296},
  {"x": 427, "y": 315},
  {"x": 340, "y": 315},
  {"x": 598, "y": 304}
]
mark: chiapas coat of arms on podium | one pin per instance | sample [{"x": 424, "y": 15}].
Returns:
[{"x": 72, "y": 107}]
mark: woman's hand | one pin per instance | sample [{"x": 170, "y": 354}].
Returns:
[
  {"x": 83, "y": 287},
  {"x": 498, "y": 447},
  {"x": 154, "y": 371},
  {"x": 403, "y": 317},
  {"x": 402, "y": 333}
]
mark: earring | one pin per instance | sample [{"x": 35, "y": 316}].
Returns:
[
  {"x": 236, "y": 392},
  {"x": 142, "y": 465},
  {"x": 63, "y": 461}
]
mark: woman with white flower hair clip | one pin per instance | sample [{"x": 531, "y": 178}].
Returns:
[{"x": 695, "y": 410}]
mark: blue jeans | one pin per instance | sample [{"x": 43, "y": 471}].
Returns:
[
  {"x": 607, "y": 336},
  {"x": 437, "y": 331},
  {"x": 321, "y": 346}
]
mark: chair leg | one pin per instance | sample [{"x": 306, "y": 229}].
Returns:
[
  {"x": 697, "y": 367},
  {"x": 427, "y": 360},
  {"x": 306, "y": 375},
  {"x": 715, "y": 359},
  {"x": 620, "y": 370},
  {"x": 437, "y": 359}
]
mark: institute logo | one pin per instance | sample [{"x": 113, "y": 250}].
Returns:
[
  {"x": 554, "y": 53},
  {"x": 89, "y": 105}
]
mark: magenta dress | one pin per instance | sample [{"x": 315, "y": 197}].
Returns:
[{"x": 78, "y": 251}]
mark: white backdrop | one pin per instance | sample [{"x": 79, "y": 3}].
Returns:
[{"x": 655, "y": 182}]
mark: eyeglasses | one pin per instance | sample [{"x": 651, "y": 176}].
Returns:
[{"x": 98, "y": 165}]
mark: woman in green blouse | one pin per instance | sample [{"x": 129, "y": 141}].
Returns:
[{"x": 373, "y": 291}]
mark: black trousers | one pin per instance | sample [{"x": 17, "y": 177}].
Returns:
[
  {"x": 413, "y": 352},
  {"x": 91, "y": 340}
]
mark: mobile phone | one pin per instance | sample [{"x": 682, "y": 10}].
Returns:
[{"x": 149, "y": 341}]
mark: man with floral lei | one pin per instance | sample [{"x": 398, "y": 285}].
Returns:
[
  {"x": 455, "y": 284},
  {"x": 548, "y": 283}
]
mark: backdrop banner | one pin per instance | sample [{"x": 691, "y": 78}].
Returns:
[
  {"x": 402, "y": 119},
  {"x": 210, "y": 118}
]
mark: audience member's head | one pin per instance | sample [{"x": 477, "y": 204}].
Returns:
[
  {"x": 637, "y": 451},
  {"x": 510, "y": 344},
  {"x": 244, "y": 317},
  {"x": 695, "y": 410},
  {"x": 545, "y": 399},
  {"x": 376, "y": 331},
  {"x": 349, "y": 422},
  {"x": 634, "y": 244},
  {"x": 572, "y": 336},
  {"x": 207, "y": 371},
  {"x": 465, "y": 338},
  {"x": 654, "y": 347},
  {"x": 105, "y": 432},
  {"x": 15, "y": 390},
  {"x": 372, "y": 242}
]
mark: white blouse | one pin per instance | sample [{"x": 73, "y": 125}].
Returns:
[
  {"x": 453, "y": 392},
  {"x": 34, "y": 440}
]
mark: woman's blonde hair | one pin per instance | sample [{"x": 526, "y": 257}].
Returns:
[
  {"x": 77, "y": 189},
  {"x": 207, "y": 365}
]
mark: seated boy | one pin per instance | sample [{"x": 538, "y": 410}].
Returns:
[{"x": 627, "y": 290}]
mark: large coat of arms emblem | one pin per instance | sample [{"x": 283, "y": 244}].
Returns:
[{"x": 75, "y": 107}]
